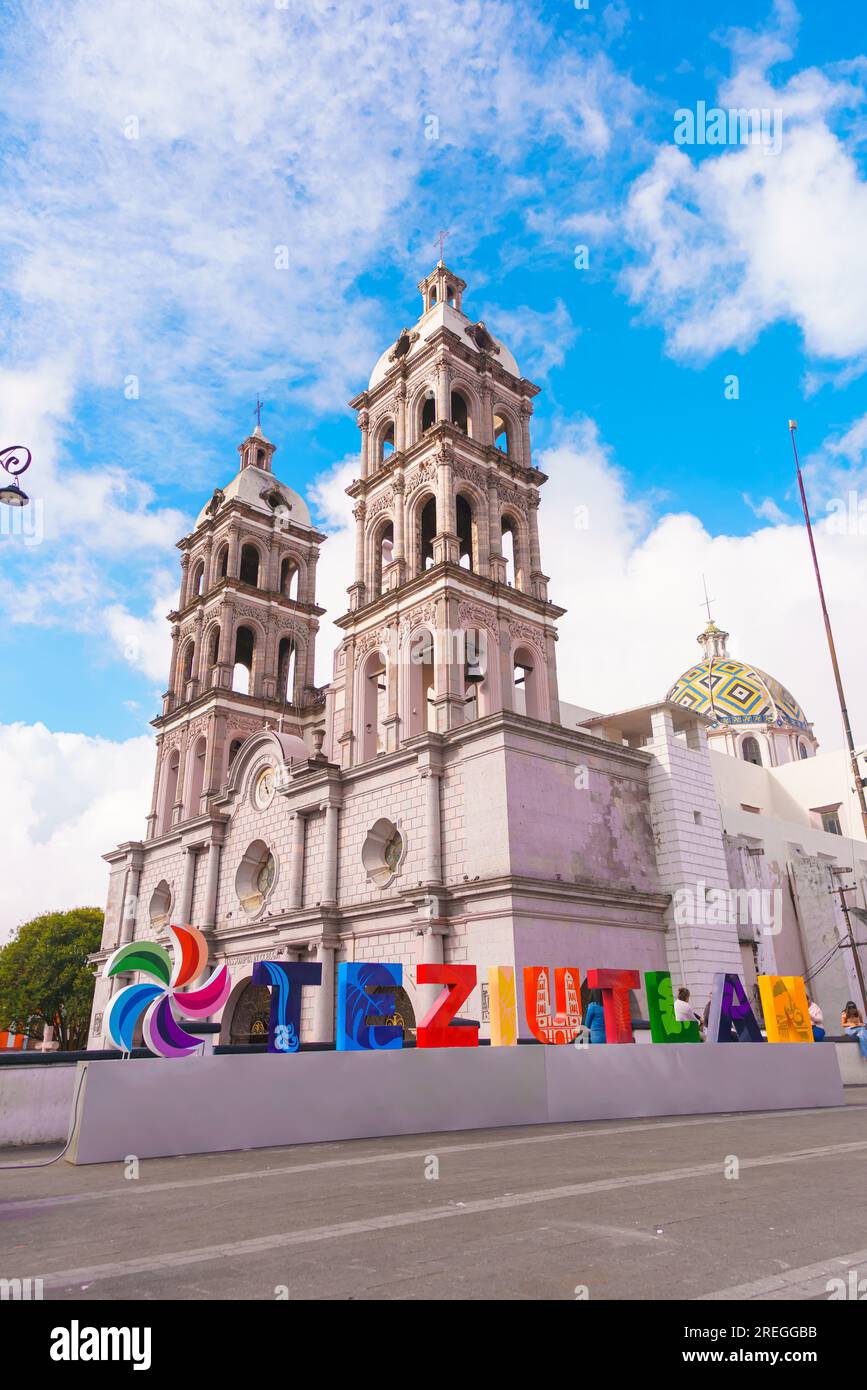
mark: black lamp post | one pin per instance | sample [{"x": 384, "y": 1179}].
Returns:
[{"x": 14, "y": 461}]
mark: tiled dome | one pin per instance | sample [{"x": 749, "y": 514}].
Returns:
[{"x": 732, "y": 692}]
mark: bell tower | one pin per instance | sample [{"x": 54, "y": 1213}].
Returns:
[
  {"x": 243, "y": 635},
  {"x": 449, "y": 618}
]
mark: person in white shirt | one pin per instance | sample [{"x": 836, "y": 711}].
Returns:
[
  {"x": 817, "y": 1018},
  {"x": 683, "y": 1010}
]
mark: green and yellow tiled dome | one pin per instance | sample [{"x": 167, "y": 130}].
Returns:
[{"x": 732, "y": 692}]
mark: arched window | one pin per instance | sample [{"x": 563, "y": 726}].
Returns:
[
  {"x": 249, "y": 566},
  {"x": 461, "y": 412},
  {"x": 170, "y": 790},
  {"x": 242, "y": 669},
  {"x": 526, "y": 684},
  {"x": 213, "y": 652},
  {"x": 289, "y": 578},
  {"x": 382, "y": 551},
  {"x": 223, "y": 562},
  {"x": 428, "y": 411},
  {"x": 427, "y": 529},
  {"x": 196, "y": 774},
  {"x": 422, "y": 710},
  {"x": 502, "y": 434},
  {"x": 187, "y": 665},
  {"x": 234, "y": 749},
  {"x": 509, "y": 549},
  {"x": 374, "y": 706},
  {"x": 286, "y": 664},
  {"x": 802, "y": 749},
  {"x": 385, "y": 443},
  {"x": 750, "y": 751},
  {"x": 465, "y": 523},
  {"x": 450, "y": 295},
  {"x": 198, "y": 580}
]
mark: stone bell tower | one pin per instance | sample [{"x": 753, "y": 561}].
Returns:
[
  {"x": 243, "y": 635},
  {"x": 449, "y": 618}
]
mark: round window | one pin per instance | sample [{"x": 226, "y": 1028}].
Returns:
[
  {"x": 160, "y": 904},
  {"x": 255, "y": 878},
  {"x": 382, "y": 852}
]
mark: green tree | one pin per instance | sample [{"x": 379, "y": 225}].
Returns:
[{"x": 45, "y": 977}]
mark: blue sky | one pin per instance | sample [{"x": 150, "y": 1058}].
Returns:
[{"x": 153, "y": 157}]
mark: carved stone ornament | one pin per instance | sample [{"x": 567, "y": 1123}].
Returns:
[{"x": 216, "y": 502}]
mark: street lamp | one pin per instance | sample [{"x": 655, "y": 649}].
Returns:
[{"x": 14, "y": 461}]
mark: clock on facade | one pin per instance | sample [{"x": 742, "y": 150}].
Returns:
[{"x": 264, "y": 788}]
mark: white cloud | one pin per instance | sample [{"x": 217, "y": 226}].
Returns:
[
  {"x": 737, "y": 240},
  {"x": 66, "y": 800},
  {"x": 632, "y": 585},
  {"x": 539, "y": 338}
]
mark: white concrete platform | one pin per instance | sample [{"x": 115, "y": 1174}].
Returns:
[{"x": 211, "y": 1104}]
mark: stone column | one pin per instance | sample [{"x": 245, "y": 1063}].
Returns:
[
  {"x": 183, "y": 597},
  {"x": 154, "y": 811},
  {"x": 400, "y": 421},
  {"x": 526, "y": 452},
  {"x": 296, "y": 862},
  {"x": 364, "y": 426},
  {"x": 185, "y": 907},
  {"x": 310, "y": 585},
  {"x": 323, "y": 1006},
  {"x": 533, "y": 519},
  {"x": 433, "y": 834},
  {"x": 431, "y": 944},
  {"x": 173, "y": 665},
  {"x": 209, "y": 907},
  {"x": 443, "y": 401},
  {"x": 399, "y": 514},
  {"x": 129, "y": 906},
  {"x": 207, "y": 573},
  {"x": 359, "y": 512},
  {"x": 329, "y": 873},
  {"x": 233, "y": 566}
]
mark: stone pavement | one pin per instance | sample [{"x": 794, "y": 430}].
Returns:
[{"x": 619, "y": 1209}]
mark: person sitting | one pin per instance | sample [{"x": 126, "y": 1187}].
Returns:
[
  {"x": 852, "y": 1023},
  {"x": 594, "y": 1017},
  {"x": 683, "y": 1010},
  {"x": 817, "y": 1018}
]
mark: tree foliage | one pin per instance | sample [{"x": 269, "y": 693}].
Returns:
[{"x": 45, "y": 977}]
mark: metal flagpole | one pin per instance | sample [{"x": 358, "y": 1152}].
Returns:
[{"x": 859, "y": 780}]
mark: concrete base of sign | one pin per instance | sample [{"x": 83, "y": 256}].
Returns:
[{"x": 159, "y": 1108}]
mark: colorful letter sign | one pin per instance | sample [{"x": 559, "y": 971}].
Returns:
[
  {"x": 787, "y": 1013},
  {"x": 161, "y": 1032},
  {"x": 356, "y": 1006},
  {"x": 558, "y": 1025},
  {"x": 434, "y": 1029},
  {"x": 615, "y": 986},
  {"x": 730, "y": 1010},
  {"x": 285, "y": 980},
  {"x": 503, "y": 1006},
  {"x": 664, "y": 1027}
]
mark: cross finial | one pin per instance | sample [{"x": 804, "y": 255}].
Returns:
[
  {"x": 707, "y": 601},
  {"x": 258, "y": 411},
  {"x": 439, "y": 241}
]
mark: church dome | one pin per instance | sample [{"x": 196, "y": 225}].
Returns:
[
  {"x": 732, "y": 691},
  {"x": 261, "y": 490},
  {"x": 442, "y": 314}
]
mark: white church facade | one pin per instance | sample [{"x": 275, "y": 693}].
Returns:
[{"x": 435, "y": 802}]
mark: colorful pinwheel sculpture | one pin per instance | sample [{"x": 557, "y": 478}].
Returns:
[{"x": 161, "y": 1031}]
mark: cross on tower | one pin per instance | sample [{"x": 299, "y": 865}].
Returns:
[
  {"x": 439, "y": 241},
  {"x": 707, "y": 601},
  {"x": 258, "y": 411}
]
